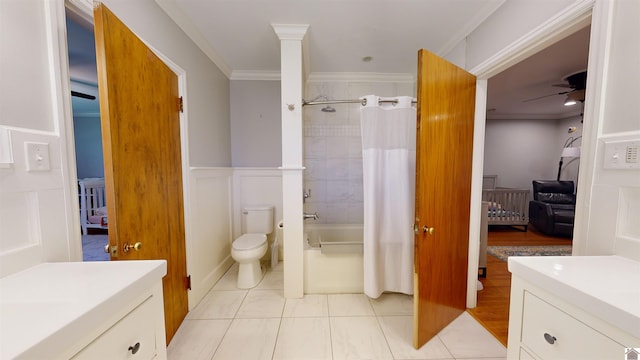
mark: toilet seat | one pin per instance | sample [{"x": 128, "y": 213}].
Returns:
[{"x": 249, "y": 242}]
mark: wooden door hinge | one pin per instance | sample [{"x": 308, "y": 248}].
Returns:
[
  {"x": 180, "y": 104},
  {"x": 188, "y": 282}
]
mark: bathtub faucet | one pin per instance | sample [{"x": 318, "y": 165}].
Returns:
[{"x": 313, "y": 216}]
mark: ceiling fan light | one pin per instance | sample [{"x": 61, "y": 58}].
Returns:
[{"x": 573, "y": 97}]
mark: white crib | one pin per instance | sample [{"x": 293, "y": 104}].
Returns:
[{"x": 93, "y": 210}]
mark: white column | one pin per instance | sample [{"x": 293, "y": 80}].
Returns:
[{"x": 291, "y": 37}]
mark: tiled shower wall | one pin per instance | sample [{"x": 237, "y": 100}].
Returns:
[{"x": 333, "y": 148}]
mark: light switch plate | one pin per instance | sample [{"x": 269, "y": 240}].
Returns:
[
  {"x": 622, "y": 154},
  {"x": 37, "y": 156}
]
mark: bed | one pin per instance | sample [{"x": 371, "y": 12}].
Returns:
[
  {"x": 93, "y": 207},
  {"x": 506, "y": 206}
]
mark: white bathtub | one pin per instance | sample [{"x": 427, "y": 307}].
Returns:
[{"x": 337, "y": 267}]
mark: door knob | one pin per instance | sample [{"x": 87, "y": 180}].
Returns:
[
  {"x": 127, "y": 247},
  {"x": 428, "y": 230}
]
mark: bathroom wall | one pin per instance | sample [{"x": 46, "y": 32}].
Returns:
[
  {"x": 256, "y": 122},
  {"x": 612, "y": 210},
  {"x": 35, "y": 202},
  {"x": 333, "y": 147}
]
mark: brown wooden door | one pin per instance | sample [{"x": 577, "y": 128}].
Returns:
[
  {"x": 444, "y": 147},
  {"x": 139, "y": 111}
]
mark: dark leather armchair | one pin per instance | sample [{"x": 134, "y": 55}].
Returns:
[{"x": 552, "y": 210}]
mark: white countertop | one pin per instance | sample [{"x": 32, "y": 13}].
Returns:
[
  {"x": 608, "y": 287},
  {"x": 51, "y": 305}
]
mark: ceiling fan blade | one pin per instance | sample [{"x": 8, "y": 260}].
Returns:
[
  {"x": 564, "y": 86},
  {"x": 82, "y": 95},
  {"x": 544, "y": 96}
]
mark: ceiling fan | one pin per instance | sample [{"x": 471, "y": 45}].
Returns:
[
  {"x": 82, "y": 95},
  {"x": 577, "y": 82}
]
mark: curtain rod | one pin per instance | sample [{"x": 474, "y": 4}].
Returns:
[{"x": 362, "y": 102}]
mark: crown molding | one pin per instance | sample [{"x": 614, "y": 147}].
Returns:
[
  {"x": 572, "y": 18},
  {"x": 290, "y": 31},
  {"x": 267, "y": 75},
  {"x": 362, "y": 77},
  {"x": 183, "y": 22},
  {"x": 469, "y": 26},
  {"x": 320, "y": 77}
]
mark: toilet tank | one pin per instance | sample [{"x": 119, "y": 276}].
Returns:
[{"x": 257, "y": 219}]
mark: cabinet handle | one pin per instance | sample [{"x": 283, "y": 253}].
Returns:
[
  {"x": 549, "y": 338},
  {"x": 134, "y": 349}
]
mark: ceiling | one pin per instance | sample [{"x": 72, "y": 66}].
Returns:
[
  {"x": 239, "y": 37},
  {"x": 340, "y": 34},
  {"x": 534, "y": 77}
]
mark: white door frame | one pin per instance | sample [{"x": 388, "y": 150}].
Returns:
[{"x": 573, "y": 18}]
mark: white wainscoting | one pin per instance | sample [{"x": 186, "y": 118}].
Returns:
[
  {"x": 209, "y": 229},
  {"x": 215, "y": 202},
  {"x": 33, "y": 225},
  {"x": 257, "y": 186}
]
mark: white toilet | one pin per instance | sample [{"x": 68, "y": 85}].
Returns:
[{"x": 249, "y": 248}]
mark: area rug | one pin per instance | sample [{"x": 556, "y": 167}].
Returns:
[
  {"x": 503, "y": 252},
  {"x": 93, "y": 247}
]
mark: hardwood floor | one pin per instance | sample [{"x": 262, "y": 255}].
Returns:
[{"x": 492, "y": 310}]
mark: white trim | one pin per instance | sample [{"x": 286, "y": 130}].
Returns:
[
  {"x": 306, "y": 58},
  {"x": 476, "y": 215},
  {"x": 255, "y": 75},
  {"x": 362, "y": 77},
  {"x": 326, "y": 76},
  {"x": 572, "y": 18},
  {"x": 469, "y": 26},
  {"x": 594, "y": 112},
  {"x": 6, "y": 151},
  {"x": 178, "y": 16},
  {"x": 620, "y": 136},
  {"x": 290, "y": 31},
  {"x": 63, "y": 115},
  {"x": 82, "y": 10},
  {"x": 566, "y": 22}
]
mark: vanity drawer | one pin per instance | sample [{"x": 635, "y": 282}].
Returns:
[
  {"x": 132, "y": 337},
  {"x": 550, "y": 333}
]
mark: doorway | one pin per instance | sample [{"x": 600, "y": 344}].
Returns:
[
  {"x": 576, "y": 30},
  {"x": 143, "y": 169},
  {"x": 87, "y": 137}
]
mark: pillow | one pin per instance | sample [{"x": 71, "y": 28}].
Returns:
[{"x": 556, "y": 198}]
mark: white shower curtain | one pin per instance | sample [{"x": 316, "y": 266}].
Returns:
[{"x": 389, "y": 163}]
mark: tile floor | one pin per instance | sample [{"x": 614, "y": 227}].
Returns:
[{"x": 233, "y": 324}]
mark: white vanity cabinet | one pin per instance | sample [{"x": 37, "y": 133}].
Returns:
[
  {"x": 94, "y": 310},
  {"x": 573, "y": 307}
]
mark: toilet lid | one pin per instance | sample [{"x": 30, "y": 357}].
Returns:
[{"x": 249, "y": 241}]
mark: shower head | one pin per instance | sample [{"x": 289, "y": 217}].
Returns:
[{"x": 328, "y": 109}]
